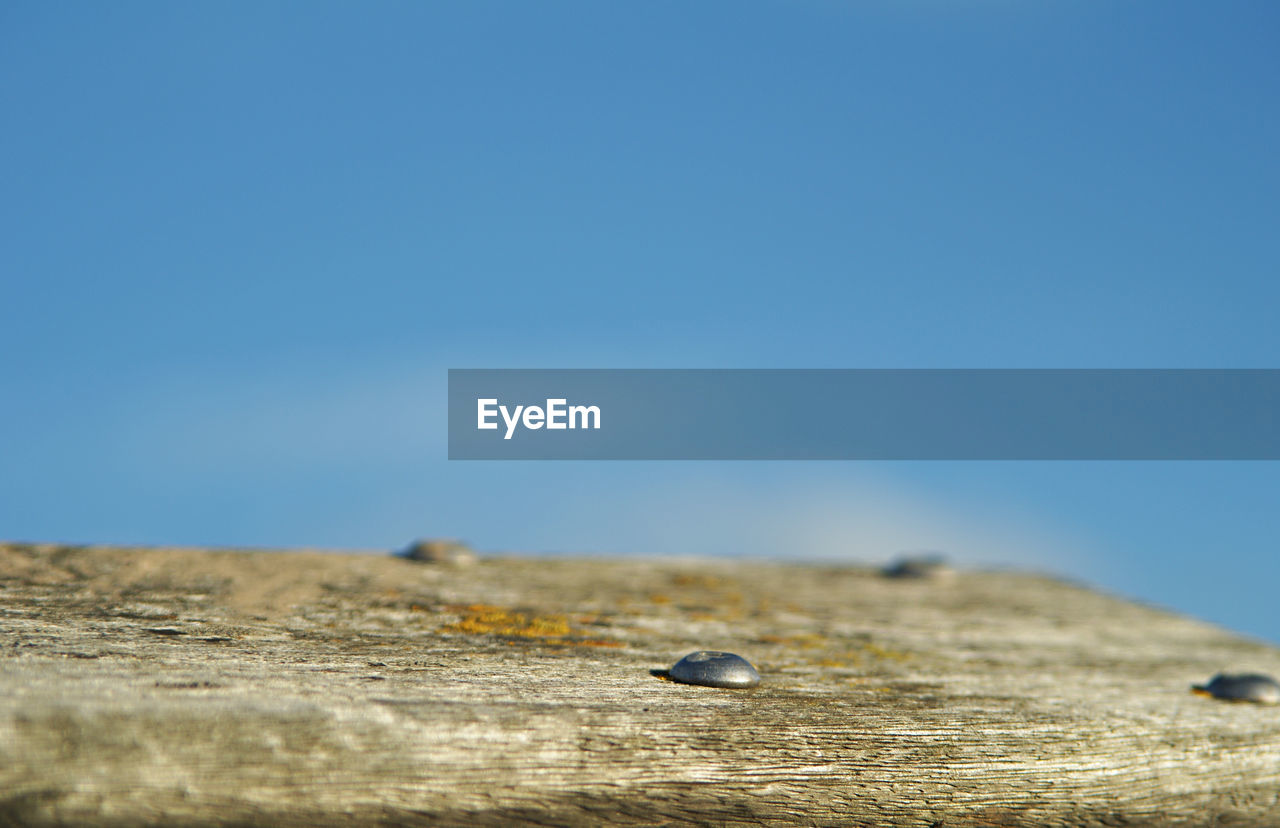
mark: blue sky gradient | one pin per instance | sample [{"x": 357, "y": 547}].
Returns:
[{"x": 242, "y": 243}]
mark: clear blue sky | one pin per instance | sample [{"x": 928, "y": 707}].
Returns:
[{"x": 242, "y": 242}]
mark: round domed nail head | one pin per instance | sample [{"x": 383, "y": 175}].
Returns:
[
  {"x": 1250, "y": 687},
  {"x": 714, "y": 669}
]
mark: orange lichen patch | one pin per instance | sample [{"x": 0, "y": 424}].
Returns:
[
  {"x": 701, "y": 581},
  {"x": 482, "y": 619},
  {"x": 866, "y": 654},
  {"x": 881, "y": 652},
  {"x": 485, "y": 619},
  {"x": 806, "y": 641},
  {"x": 659, "y": 598},
  {"x": 702, "y": 616},
  {"x": 558, "y": 644}
]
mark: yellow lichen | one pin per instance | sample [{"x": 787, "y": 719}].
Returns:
[
  {"x": 698, "y": 581},
  {"x": 485, "y": 619},
  {"x": 482, "y": 619},
  {"x": 805, "y": 641},
  {"x": 882, "y": 652}
]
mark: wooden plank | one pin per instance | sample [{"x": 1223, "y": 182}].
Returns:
[{"x": 258, "y": 688}]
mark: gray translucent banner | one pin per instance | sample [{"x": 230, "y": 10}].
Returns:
[{"x": 864, "y": 414}]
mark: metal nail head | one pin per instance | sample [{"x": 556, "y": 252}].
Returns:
[
  {"x": 1252, "y": 687},
  {"x": 714, "y": 669}
]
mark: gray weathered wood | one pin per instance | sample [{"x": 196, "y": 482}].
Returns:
[{"x": 246, "y": 688}]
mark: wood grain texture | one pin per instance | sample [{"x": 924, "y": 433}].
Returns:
[{"x": 256, "y": 688}]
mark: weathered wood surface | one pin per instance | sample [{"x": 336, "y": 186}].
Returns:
[{"x": 254, "y": 688}]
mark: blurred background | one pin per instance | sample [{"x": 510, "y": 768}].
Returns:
[{"x": 241, "y": 244}]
